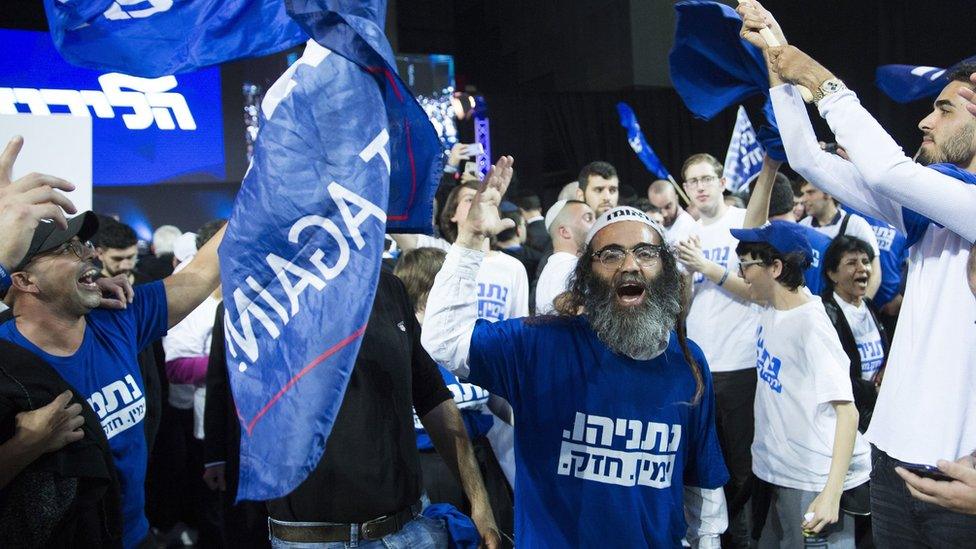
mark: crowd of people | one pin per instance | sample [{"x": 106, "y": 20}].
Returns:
[{"x": 791, "y": 366}]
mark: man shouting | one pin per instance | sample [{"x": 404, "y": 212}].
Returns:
[{"x": 614, "y": 411}]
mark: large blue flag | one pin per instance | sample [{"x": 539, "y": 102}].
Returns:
[
  {"x": 712, "y": 67},
  {"x": 160, "y": 37},
  {"x": 907, "y": 83},
  {"x": 640, "y": 145},
  {"x": 301, "y": 257},
  {"x": 745, "y": 155}
]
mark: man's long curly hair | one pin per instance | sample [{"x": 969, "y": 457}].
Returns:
[{"x": 572, "y": 303}]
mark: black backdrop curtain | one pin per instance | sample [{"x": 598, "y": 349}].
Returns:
[{"x": 553, "y": 135}]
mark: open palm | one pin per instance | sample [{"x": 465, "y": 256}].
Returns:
[{"x": 483, "y": 218}]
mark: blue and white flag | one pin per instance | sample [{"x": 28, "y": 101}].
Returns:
[
  {"x": 301, "y": 257},
  {"x": 907, "y": 83},
  {"x": 712, "y": 67},
  {"x": 745, "y": 155},
  {"x": 154, "y": 38},
  {"x": 639, "y": 143}
]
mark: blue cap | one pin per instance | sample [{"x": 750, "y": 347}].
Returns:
[{"x": 784, "y": 236}]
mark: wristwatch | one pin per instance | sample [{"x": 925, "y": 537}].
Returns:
[{"x": 828, "y": 87}]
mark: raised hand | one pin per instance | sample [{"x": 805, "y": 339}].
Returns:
[
  {"x": 796, "y": 67},
  {"x": 25, "y": 202},
  {"x": 755, "y": 18},
  {"x": 484, "y": 219},
  {"x": 689, "y": 253}
]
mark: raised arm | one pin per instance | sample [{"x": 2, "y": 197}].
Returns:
[
  {"x": 889, "y": 172},
  {"x": 690, "y": 255},
  {"x": 826, "y": 171},
  {"x": 23, "y": 204},
  {"x": 189, "y": 287},
  {"x": 452, "y": 305},
  {"x": 757, "y": 213}
]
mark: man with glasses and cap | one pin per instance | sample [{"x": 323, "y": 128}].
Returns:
[
  {"x": 55, "y": 295},
  {"x": 806, "y": 449},
  {"x": 614, "y": 420}
]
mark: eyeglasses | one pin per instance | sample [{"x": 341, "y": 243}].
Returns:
[
  {"x": 82, "y": 250},
  {"x": 744, "y": 264},
  {"x": 645, "y": 255},
  {"x": 704, "y": 180}
]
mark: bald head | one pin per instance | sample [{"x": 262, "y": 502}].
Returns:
[
  {"x": 569, "y": 228},
  {"x": 662, "y": 195}
]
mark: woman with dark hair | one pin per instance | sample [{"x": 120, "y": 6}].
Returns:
[{"x": 846, "y": 270}]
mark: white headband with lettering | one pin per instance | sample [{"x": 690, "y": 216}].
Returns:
[{"x": 623, "y": 213}]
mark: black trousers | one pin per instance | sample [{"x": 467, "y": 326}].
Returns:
[
  {"x": 900, "y": 521},
  {"x": 442, "y": 486},
  {"x": 735, "y": 393}
]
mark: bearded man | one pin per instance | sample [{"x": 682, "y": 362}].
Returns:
[{"x": 614, "y": 411}]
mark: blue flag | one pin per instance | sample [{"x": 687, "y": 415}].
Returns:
[
  {"x": 745, "y": 155},
  {"x": 640, "y": 145},
  {"x": 154, "y": 38},
  {"x": 301, "y": 257},
  {"x": 712, "y": 68},
  {"x": 907, "y": 83}
]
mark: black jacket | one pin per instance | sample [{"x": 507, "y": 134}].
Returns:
[
  {"x": 865, "y": 393},
  {"x": 67, "y": 498},
  {"x": 538, "y": 236}
]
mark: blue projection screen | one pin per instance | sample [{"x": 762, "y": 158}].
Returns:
[{"x": 145, "y": 130}]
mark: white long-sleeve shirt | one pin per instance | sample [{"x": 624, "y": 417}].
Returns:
[
  {"x": 926, "y": 410},
  {"x": 541, "y": 386}
]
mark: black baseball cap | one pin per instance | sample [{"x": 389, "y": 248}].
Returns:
[{"x": 48, "y": 236}]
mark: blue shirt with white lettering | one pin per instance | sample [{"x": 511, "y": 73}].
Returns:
[
  {"x": 604, "y": 444},
  {"x": 105, "y": 369},
  {"x": 471, "y": 400}
]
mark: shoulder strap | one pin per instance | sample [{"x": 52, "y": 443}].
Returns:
[{"x": 843, "y": 224}]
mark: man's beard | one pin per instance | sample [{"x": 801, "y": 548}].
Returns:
[
  {"x": 958, "y": 149},
  {"x": 640, "y": 332}
]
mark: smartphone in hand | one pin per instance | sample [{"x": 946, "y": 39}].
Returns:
[{"x": 927, "y": 471}]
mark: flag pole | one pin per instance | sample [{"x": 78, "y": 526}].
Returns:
[
  {"x": 773, "y": 42},
  {"x": 679, "y": 190}
]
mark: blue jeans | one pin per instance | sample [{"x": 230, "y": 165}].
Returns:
[
  {"x": 419, "y": 533},
  {"x": 900, "y": 521}
]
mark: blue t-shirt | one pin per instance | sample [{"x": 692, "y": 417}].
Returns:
[
  {"x": 892, "y": 253},
  {"x": 105, "y": 370},
  {"x": 813, "y": 276},
  {"x": 604, "y": 445},
  {"x": 471, "y": 400}
]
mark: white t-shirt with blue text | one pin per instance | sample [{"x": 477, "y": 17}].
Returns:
[
  {"x": 866, "y": 336},
  {"x": 801, "y": 369},
  {"x": 721, "y": 323}
]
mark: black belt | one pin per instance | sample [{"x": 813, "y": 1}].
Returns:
[{"x": 370, "y": 530}]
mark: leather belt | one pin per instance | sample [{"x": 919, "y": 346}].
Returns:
[{"x": 325, "y": 532}]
